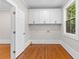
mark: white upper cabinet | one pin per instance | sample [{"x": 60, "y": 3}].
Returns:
[{"x": 45, "y": 16}]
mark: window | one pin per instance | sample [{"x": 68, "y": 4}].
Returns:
[{"x": 71, "y": 18}]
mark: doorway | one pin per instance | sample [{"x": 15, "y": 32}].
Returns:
[{"x": 7, "y": 28}]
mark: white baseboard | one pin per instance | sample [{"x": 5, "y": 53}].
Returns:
[
  {"x": 26, "y": 45},
  {"x": 48, "y": 41},
  {"x": 5, "y": 41},
  {"x": 71, "y": 51}
]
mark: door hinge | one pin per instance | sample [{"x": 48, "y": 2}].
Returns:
[
  {"x": 14, "y": 12},
  {"x": 14, "y": 51},
  {"x": 14, "y": 32}
]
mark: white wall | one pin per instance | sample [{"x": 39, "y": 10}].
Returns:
[
  {"x": 44, "y": 21},
  {"x": 5, "y": 25},
  {"x": 70, "y": 40},
  {"x": 45, "y": 33}
]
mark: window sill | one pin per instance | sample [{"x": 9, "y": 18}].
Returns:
[{"x": 72, "y": 36}]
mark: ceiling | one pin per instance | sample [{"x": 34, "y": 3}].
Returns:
[
  {"x": 36, "y": 4},
  {"x": 45, "y": 3},
  {"x": 4, "y": 5}
]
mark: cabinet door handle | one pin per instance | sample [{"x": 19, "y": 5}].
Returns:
[
  {"x": 33, "y": 22},
  {"x": 44, "y": 22},
  {"x": 55, "y": 22},
  {"x": 24, "y": 33}
]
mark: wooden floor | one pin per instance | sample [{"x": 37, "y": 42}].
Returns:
[
  {"x": 51, "y": 51},
  {"x": 4, "y": 51}
]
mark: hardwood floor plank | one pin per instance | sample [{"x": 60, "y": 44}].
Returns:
[
  {"x": 4, "y": 51},
  {"x": 47, "y": 51}
]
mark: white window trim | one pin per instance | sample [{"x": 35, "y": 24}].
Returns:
[{"x": 70, "y": 35}]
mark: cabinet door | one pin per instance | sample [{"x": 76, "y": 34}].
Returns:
[
  {"x": 55, "y": 16},
  {"x": 31, "y": 17},
  {"x": 45, "y": 16},
  {"x": 37, "y": 16},
  {"x": 34, "y": 16},
  {"x": 58, "y": 16}
]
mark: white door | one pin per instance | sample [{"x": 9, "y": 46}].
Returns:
[{"x": 20, "y": 30}]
